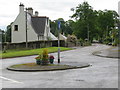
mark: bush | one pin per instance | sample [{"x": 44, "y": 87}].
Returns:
[
  {"x": 43, "y": 57},
  {"x": 87, "y": 43},
  {"x": 71, "y": 38},
  {"x": 81, "y": 42},
  {"x": 45, "y": 54},
  {"x": 116, "y": 42},
  {"x": 84, "y": 42}
]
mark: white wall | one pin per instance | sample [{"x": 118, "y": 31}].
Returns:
[
  {"x": 20, "y": 35},
  {"x": 47, "y": 30}
]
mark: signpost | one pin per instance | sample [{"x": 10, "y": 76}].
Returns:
[{"x": 59, "y": 24}]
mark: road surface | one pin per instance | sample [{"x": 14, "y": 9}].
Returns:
[{"x": 102, "y": 74}]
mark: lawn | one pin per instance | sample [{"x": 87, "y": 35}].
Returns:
[{"x": 18, "y": 53}]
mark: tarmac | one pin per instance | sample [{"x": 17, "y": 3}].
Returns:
[
  {"x": 112, "y": 52},
  {"x": 102, "y": 74}
]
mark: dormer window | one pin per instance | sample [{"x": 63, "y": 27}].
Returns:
[{"x": 15, "y": 27}]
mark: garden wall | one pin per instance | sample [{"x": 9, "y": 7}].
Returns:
[{"x": 33, "y": 45}]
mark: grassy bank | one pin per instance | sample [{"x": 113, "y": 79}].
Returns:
[{"x": 18, "y": 53}]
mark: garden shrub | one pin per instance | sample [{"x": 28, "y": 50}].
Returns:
[{"x": 71, "y": 38}]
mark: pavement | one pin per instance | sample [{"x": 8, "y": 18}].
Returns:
[{"x": 112, "y": 52}]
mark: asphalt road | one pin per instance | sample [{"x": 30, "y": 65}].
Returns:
[{"x": 102, "y": 74}]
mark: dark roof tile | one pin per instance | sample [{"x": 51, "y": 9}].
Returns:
[{"x": 38, "y": 24}]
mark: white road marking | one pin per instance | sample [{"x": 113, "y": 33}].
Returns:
[{"x": 10, "y": 80}]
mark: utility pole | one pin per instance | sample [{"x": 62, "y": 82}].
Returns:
[
  {"x": 26, "y": 30},
  {"x": 88, "y": 32},
  {"x": 4, "y": 48},
  {"x": 107, "y": 31}
]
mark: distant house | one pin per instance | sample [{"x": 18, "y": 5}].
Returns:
[
  {"x": 30, "y": 26},
  {"x": 62, "y": 37}
]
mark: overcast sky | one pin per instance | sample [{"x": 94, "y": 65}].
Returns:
[{"x": 54, "y": 9}]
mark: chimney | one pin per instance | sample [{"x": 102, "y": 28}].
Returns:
[
  {"x": 36, "y": 13},
  {"x": 30, "y": 10},
  {"x": 21, "y": 7}
]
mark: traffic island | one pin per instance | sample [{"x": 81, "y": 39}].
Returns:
[{"x": 32, "y": 67}]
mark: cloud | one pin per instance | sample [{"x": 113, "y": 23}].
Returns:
[
  {"x": 55, "y": 9},
  {"x": 104, "y": 4},
  {"x": 52, "y": 8},
  {"x": 5, "y": 20}
]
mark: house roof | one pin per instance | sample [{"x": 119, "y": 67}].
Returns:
[{"x": 38, "y": 24}]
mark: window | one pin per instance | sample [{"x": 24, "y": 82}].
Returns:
[{"x": 16, "y": 28}]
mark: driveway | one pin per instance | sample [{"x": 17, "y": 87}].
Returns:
[{"x": 102, "y": 74}]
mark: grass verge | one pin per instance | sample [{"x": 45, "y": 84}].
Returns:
[{"x": 19, "y": 53}]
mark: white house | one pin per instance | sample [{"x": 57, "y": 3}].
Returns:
[{"x": 30, "y": 27}]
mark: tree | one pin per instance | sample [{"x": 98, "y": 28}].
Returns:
[
  {"x": 85, "y": 21},
  {"x": 53, "y": 27},
  {"x": 2, "y": 36},
  {"x": 8, "y": 33},
  {"x": 62, "y": 24},
  {"x": 66, "y": 26},
  {"x": 69, "y": 27},
  {"x": 107, "y": 21},
  {"x": 91, "y": 24}
]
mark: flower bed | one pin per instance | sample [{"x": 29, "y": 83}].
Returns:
[{"x": 44, "y": 59}]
